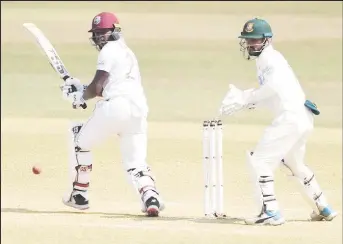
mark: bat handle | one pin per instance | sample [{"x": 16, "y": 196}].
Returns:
[{"x": 73, "y": 88}]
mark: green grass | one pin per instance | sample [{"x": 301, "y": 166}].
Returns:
[
  {"x": 185, "y": 59},
  {"x": 185, "y": 79},
  {"x": 179, "y": 77}
]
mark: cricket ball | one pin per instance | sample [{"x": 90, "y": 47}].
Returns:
[{"x": 36, "y": 170}]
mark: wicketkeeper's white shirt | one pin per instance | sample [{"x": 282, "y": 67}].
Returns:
[{"x": 279, "y": 89}]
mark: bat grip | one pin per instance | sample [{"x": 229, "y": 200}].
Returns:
[{"x": 73, "y": 88}]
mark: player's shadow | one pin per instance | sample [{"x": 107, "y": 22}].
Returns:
[
  {"x": 29, "y": 211},
  {"x": 227, "y": 220},
  {"x": 200, "y": 220}
]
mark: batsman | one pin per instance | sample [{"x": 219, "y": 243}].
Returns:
[
  {"x": 122, "y": 110},
  {"x": 284, "y": 141}
]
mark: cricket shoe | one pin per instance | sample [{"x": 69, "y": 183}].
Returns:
[
  {"x": 76, "y": 200},
  {"x": 153, "y": 207},
  {"x": 325, "y": 214},
  {"x": 266, "y": 218}
]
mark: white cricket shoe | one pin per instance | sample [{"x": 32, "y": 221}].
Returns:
[
  {"x": 266, "y": 218},
  {"x": 153, "y": 206},
  {"x": 76, "y": 200},
  {"x": 326, "y": 214}
]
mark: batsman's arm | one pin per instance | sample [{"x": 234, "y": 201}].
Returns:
[
  {"x": 105, "y": 63},
  {"x": 96, "y": 86}
]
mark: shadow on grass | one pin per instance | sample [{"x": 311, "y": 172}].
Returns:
[{"x": 136, "y": 217}]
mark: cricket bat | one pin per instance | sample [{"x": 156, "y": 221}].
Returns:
[{"x": 54, "y": 60}]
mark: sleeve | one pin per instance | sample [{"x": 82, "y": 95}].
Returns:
[
  {"x": 267, "y": 89},
  {"x": 105, "y": 61}
]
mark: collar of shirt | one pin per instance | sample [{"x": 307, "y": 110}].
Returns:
[{"x": 261, "y": 60}]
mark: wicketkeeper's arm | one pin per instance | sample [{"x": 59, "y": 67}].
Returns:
[
  {"x": 268, "y": 89},
  {"x": 254, "y": 96}
]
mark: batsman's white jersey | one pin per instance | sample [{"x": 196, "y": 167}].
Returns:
[
  {"x": 122, "y": 111},
  {"x": 120, "y": 62}
]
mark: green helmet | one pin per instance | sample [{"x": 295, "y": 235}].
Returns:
[
  {"x": 256, "y": 29},
  {"x": 256, "y": 35}
]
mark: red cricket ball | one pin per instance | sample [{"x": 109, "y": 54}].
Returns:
[{"x": 36, "y": 170}]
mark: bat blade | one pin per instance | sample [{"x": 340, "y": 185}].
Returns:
[
  {"x": 51, "y": 53},
  {"x": 53, "y": 58}
]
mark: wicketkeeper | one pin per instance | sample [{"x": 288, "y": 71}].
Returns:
[{"x": 284, "y": 141}]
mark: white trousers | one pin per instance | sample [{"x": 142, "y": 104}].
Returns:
[
  {"x": 117, "y": 116},
  {"x": 285, "y": 138},
  {"x": 284, "y": 142}
]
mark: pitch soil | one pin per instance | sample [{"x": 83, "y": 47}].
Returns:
[{"x": 31, "y": 204}]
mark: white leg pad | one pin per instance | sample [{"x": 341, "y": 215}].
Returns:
[
  {"x": 144, "y": 183},
  {"x": 308, "y": 187},
  {"x": 80, "y": 162},
  {"x": 263, "y": 183},
  {"x": 257, "y": 193}
]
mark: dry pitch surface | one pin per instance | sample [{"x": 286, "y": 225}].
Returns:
[{"x": 31, "y": 208}]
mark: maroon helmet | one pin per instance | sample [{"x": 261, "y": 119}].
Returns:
[{"x": 105, "y": 27}]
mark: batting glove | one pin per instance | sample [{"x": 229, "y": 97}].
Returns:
[
  {"x": 76, "y": 99},
  {"x": 71, "y": 85},
  {"x": 74, "y": 82}
]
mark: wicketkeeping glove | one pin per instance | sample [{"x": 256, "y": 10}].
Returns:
[{"x": 233, "y": 101}]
